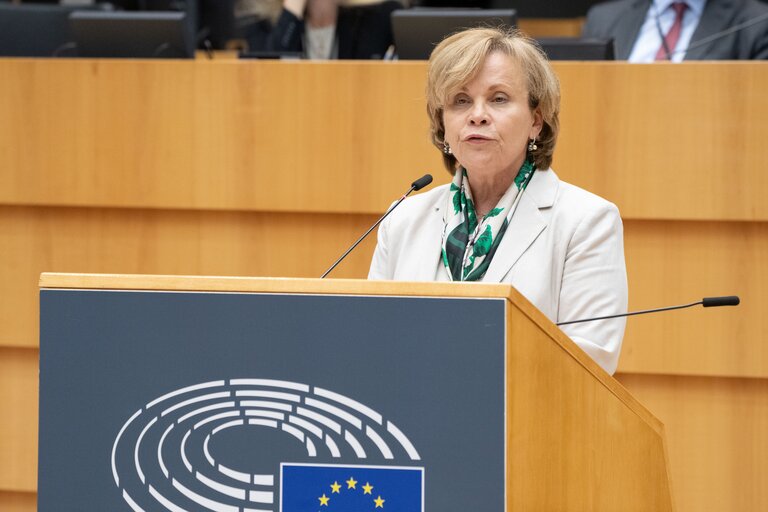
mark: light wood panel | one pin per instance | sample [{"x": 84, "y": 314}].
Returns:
[
  {"x": 211, "y": 134},
  {"x": 349, "y": 136},
  {"x": 668, "y": 141},
  {"x": 716, "y": 431},
  {"x": 18, "y": 421},
  {"x": 559, "y": 452},
  {"x": 551, "y": 27},
  {"x": 671, "y": 263}
]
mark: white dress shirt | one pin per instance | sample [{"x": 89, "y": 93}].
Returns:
[{"x": 659, "y": 20}]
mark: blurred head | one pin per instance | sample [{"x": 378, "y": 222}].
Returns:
[{"x": 489, "y": 91}]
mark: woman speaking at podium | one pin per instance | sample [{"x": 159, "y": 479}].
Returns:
[{"x": 493, "y": 103}]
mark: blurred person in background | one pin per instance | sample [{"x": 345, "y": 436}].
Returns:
[
  {"x": 322, "y": 29},
  {"x": 676, "y": 30}
]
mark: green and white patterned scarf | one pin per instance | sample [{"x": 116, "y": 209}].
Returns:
[{"x": 469, "y": 245}]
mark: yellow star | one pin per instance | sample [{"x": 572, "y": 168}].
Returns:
[
  {"x": 335, "y": 486},
  {"x": 351, "y": 483},
  {"x": 324, "y": 500},
  {"x": 367, "y": 488},
  {"x": 379, "y": 502}
]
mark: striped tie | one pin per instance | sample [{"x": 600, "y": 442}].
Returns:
[{"x": 670, "y": 40}]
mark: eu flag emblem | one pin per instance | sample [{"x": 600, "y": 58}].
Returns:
[{"x": 331, "y": 488}]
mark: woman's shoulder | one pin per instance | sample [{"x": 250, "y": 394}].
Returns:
[
  {"x": 569, "y": 207},
  {"x": 416, "y": 208},
  {"x": 574, "y": 197}
]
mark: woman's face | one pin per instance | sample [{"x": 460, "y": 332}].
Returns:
[{"x": 488, "y": 121}]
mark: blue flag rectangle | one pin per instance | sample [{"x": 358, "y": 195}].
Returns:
[{"x": 331, "y": 488}]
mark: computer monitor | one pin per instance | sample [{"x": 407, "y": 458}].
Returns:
[
  {"x": 214, "y": 20},
  {"x": 122, "y": 34},
  {"x": 34, "y": 30},
  {"x": 418, "y": 31},
  {"x": 575, "y": 48}
]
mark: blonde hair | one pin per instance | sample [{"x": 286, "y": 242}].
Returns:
[{"x": 457, "y": 60}]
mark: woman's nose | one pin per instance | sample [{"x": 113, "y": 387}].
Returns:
[{"x": 478, "y": 114}]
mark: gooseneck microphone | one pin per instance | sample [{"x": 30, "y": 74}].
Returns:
[
  {"x": 416, "y": 185},
  {"x": 707, "y": 302}
]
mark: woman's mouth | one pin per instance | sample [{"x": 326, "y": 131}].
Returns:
[{"x": 476, "y": 138}]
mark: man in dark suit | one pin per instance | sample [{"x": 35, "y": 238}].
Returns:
[{"x": 637, "y": 27}]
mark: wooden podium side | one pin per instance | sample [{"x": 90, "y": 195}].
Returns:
[{"x": 575, "y": 438}]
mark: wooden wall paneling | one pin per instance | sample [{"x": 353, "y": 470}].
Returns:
[
  {"x": 671, "y": 263},
  {"x": 716, "y": 431},
  {"x": 334, "y": 137},
  {"x": 663, "y": 144},
  {"x": 551, "y": 27},
  {"x": 237, "y": 135},
  {"x": 18, "y": 421}
]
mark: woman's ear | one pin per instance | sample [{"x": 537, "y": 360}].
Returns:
[{"x": 538, "y": 124}]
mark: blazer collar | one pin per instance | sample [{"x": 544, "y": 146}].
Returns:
[
  {"x": 628, "y": 27},
  {"x": 716, "y": 17},
  {"x": 426, "y": 261},
  {"x": 526, "y": 225}
]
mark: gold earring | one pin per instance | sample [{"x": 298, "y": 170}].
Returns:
[{"x": 446, "y": 148}]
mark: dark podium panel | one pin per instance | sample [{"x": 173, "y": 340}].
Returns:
[
  {"x": 195, "y": 400},
  {"x": 252, "y": 395}
]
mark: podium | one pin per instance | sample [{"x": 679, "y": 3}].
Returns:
[{"x": 244, "y": 394}]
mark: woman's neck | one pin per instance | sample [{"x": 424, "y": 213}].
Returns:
[{"x": 488, "y": 190}]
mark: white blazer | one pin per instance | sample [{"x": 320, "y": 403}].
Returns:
[{"x": 563, "y": 250}]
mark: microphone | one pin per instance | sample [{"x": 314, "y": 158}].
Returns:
[
  {"x": 416, "y": 185},
  {"x": 707, "y": 302},
  {"x": 714, "y": 302}
]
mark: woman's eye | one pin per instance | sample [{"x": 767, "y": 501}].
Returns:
[
  {"x": 499, "y": 99},
  {"x": 460, "y": 100}
]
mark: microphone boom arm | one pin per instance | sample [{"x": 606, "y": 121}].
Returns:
[
  {"x": 707, "y": 302},
  {"x": 416, "y": 185}
]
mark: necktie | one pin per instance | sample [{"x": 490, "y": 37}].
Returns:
[{"x": 674, "y": 32}]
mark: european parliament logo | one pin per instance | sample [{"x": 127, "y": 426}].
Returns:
[
  {"x": 226, "y": 446},
  {"x": 335, "y": 488}
]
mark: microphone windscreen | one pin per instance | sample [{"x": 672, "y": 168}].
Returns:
[
  {"x": 422, "y": 182},
  {"x": 712, "y": 302}
]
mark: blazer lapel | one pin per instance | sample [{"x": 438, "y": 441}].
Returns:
[
  {"x": 426, "y": 254},
  {"x": 526, "y": 225},
  {"x": 628, "y": 27},
  {"x": 716, "y": 17}
]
